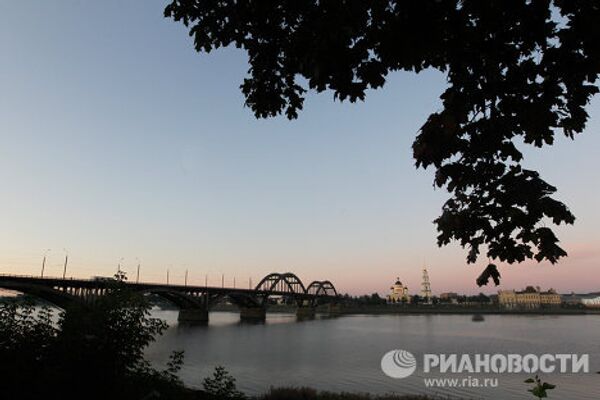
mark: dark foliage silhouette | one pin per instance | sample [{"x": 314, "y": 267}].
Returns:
[
  {"x": 491, "y": 271},
  {"x": 94, "y": 352},
  {"x": 518, "y": 71},
  {"x": 221, "y": 385},
  {"x": 539, "y": 389}
]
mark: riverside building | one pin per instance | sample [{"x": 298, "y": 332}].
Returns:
[{"x": 528, "y": 299}]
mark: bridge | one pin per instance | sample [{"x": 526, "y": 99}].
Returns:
[{"x": 194, "y": 302}]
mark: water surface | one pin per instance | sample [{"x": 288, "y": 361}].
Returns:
[{"x": 344, "y": 353}]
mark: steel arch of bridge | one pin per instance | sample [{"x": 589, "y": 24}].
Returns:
[
  {"x": 290, "y": 283},
  {"x": 285, "y": 283},
  {"x": 321, "y": 288},
  {"x": 318, "y": 289},
  {"x": 279, "y": 284}
]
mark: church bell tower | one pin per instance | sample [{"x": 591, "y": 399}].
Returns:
[{"x": 426, "y": 287}]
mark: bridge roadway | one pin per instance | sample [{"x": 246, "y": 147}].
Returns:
[{"x": 194, "y": 302}]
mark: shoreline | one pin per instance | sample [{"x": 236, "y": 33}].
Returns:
[
  {"x": 464, "y": 311},
  {"x": 419, "y": 310},
  {"x": 392, "y": 310}
]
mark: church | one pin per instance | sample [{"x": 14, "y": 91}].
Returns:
[{"x": 399, "y": 293}]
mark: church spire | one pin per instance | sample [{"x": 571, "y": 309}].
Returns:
[{"x": 426, "y": 286}]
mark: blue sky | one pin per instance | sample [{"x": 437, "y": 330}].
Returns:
[{"x": 118, "y": 140}]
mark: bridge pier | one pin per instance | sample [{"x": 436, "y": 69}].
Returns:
[
  {"x": 253, "y": 313},
  {"x": 193, "y": 316},
  {"x": 305, "y": 312}
]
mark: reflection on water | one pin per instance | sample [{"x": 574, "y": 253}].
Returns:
[{"x": 343, "y": 354}]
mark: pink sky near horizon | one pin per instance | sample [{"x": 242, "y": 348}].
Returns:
[
  {"x": 447, "y": 269},
  {"x": 105, "y": 151}
]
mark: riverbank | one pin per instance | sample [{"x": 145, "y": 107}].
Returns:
[
  {"x": 305, "y": 393},
  {"x": 458, "y": 310},
  {"x": 418, "y": 310},
  {"x": 312, "y": 394},
  {"x": 395, "y": 309}
]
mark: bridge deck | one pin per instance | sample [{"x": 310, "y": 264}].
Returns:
[{"x": 8, "y": 281}]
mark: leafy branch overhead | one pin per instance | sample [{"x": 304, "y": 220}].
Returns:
[{"x": 519, "y": 70}]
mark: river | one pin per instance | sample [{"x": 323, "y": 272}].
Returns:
[{"x": 344, "y": 353}]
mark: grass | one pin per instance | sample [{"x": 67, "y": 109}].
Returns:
[{"x": 312, "y": 394}]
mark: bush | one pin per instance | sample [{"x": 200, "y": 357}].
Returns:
[
  {"x": 222, "y": 385},
  {"x": 87, "y": 352}
]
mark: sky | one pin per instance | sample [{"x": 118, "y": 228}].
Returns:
[{"x": 119, "y": 144}]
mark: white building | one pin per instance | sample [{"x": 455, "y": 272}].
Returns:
[
  {"x": 399, "y": 293},
  {"x": 426, "y": 287},
  {"x": 588, "y": 300},
  {"x": 591, "y": 300}
]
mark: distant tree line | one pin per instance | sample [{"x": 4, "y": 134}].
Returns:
[{"x": 375, "y": 299}]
